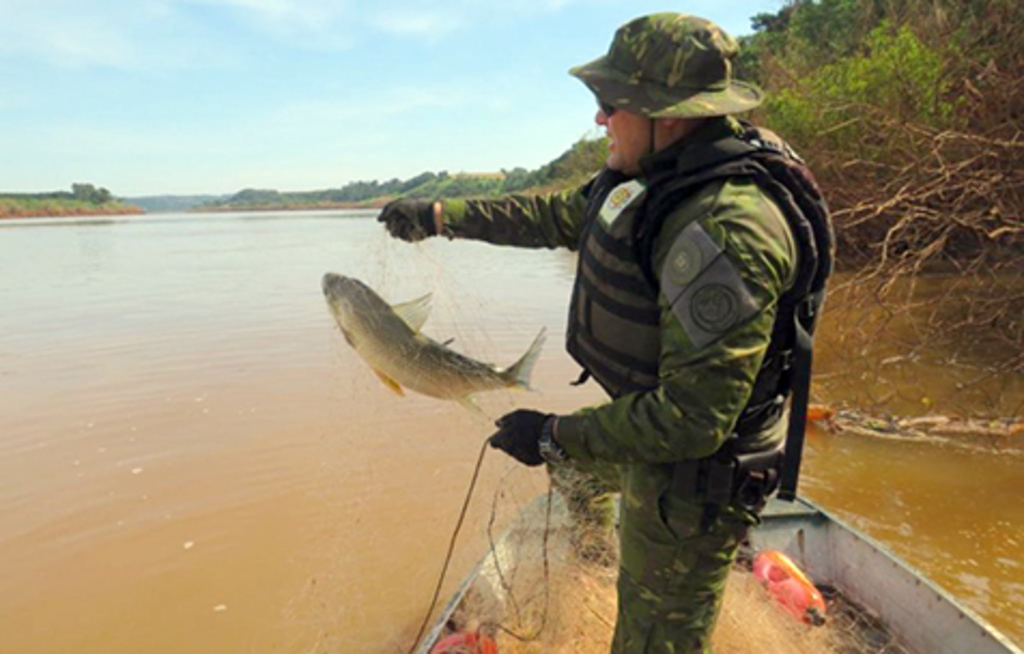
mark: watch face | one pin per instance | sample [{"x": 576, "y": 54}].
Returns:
[{"x": 551, "y": 452}]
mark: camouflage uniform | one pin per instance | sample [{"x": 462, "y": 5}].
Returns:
[{"x": 676, "y": 549}]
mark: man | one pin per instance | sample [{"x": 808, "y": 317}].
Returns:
[{"x": 703, "y": 253}]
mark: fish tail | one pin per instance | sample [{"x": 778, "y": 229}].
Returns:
[{"x": 519, "y": 373}]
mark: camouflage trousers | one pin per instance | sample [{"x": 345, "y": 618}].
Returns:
[{"x": 675, "y": 557}]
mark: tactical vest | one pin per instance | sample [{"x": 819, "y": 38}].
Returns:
[{"x": 613, "y": 329}]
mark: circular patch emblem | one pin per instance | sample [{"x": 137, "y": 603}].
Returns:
[
  {"x": 619, "y": 197},
  {"x": 684, "y": 262},
  {"x": 714, "y": 308}
]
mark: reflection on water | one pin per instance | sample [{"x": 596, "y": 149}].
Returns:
[
  {"x": 882, "y": 356},
  {"x": 192, "y": 459}
]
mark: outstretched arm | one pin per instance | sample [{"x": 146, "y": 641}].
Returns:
[{"x": 550, "y": 220}]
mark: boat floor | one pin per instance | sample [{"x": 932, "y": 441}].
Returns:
[{"x": 533, "y": 595}]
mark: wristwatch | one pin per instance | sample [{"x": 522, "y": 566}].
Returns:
[{"x": 550, "y": 450}]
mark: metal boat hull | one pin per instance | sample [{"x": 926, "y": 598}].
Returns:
[{"x": 923, "y": 618}]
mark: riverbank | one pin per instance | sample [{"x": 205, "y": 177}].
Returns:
[
  {"x": 290, "y": 206},
  {"x": 58, "y": 208},
  {"x": 1005, "y": 434}
]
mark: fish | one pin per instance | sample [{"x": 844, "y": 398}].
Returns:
[{"x": 389, "y": 339}]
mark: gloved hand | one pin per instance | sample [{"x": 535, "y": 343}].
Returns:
[
  {"x": 409, "y": 220},
  {"x": 519, "y": 435}
]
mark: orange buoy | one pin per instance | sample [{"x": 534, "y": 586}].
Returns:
[
  {"x": 790, "y": 586},
  {"x": 823, "y": 414},
  {"x": 466, "y": 642},
  {"x": 817, "y": 412}
]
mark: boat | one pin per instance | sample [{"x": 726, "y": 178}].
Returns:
[
  {"x": 923, "y": 617},
  {"x": 916, "y": 614}
]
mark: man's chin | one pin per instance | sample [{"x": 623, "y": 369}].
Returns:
[{"x": 615, "y": 163}]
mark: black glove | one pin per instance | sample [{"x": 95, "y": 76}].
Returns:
[
  {"x": 409, "y": 220},
  {"x": 519, "y": 435}
]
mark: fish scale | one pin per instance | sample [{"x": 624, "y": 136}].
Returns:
[{"x": 389, "y": 340}]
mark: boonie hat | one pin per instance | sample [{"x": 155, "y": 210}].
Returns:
[{"x": 670, "y": 65}]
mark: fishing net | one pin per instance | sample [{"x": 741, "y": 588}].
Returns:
[{"x": 535, "y": 594}]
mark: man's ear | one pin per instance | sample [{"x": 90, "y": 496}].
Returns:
[
  {"x": 670, "y": 129},
  {"x": 679, "y": 127}
]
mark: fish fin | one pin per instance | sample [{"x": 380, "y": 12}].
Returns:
[
  {"x": 348, "y": 337},
  {"x": 390, "y": 383},
  {"x": 414, "y": 312},
  {"x": 518, "y": 374},
  {"x": 468, "y": 403}
]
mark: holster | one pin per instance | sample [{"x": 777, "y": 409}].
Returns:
[{"x": 745, "y": 479}]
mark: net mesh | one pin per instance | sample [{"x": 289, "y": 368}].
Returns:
[{"x": 535, "y": 593}]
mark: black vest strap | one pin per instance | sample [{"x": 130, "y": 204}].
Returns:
[
  {"x": 582, "y": 379},
  {"x": 803, "y": 354}
]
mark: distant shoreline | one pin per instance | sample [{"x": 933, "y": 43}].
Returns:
[
  {"x": 66, "y": 212},
  {"x": 300, "y": 206},
  {"x": 121, "y": 210}
]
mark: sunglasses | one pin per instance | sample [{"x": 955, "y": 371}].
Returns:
[{"x": 606, "y": 108}]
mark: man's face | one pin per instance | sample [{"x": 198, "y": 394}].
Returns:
[{"x": 630, "y": 136}]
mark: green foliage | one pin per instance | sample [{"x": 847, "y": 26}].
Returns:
[
  {"x": 897, "y": 76},
  {"x": 453, "y": 186},
  {"x": 802, "y": 36},
  {"x": 257, "y": 196},
  {"x": 582, "y": 160},
  {"x": 823, "y": 31},
  {"x": 89, "y": 193},
  {"x": 84, "y": 193},
  {"x": 837, "y": 66},
  {"x": 83, "y": 199}
]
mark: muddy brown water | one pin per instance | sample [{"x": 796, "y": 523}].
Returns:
[{"x": 193, "y": 460}]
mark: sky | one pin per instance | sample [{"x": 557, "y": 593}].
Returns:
[{"x": 154, "y": 97}]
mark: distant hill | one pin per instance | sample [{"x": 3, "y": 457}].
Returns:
[
  {"x": 173, "y": 203},
  {"x": 573, "y": 166}
]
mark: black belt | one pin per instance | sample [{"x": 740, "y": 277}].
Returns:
[{"x": 725, "y": 477}]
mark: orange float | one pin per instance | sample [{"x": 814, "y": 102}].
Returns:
[
  {"x": 818, "y": 412},
  {"x": 465, "y": 642},
  {"x": 824, "y": 415},
  {"x": 790, "y": 586}
]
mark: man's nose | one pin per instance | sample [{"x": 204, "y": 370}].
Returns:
[{"x": 600, "y": 118}]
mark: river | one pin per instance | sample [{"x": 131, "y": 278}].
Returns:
[{"x": 193, "y": 460}]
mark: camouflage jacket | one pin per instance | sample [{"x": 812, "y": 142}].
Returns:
[{"x": 702, "y": 389}]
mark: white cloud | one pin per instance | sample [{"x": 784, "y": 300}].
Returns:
[
  {"x": 136, "y": 34},
  {"x": 326, "y": 21},
  {"x": 430, "y": 25},
  {"x": 179, "y": 33},
  {"x": 119, "y": 34},
  {"x": 61, "y": 35}
]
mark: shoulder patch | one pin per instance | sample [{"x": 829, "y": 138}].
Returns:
[
  {"x": 620, "y": 197},
  {"x": 692, "y": 252},
  {"x": 707, "y": 293}
]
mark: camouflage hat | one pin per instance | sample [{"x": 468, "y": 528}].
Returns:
[{"x": 670, "y": 66}]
